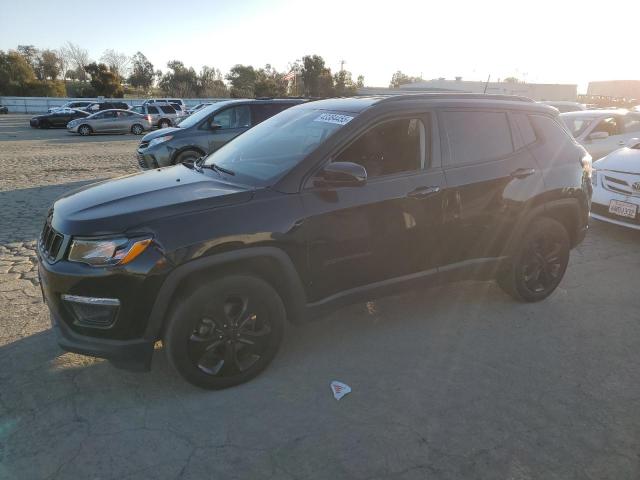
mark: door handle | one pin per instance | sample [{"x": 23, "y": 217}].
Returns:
[
  {"x": 522, "y": 172},
  {"x": 423, "y": 192}
]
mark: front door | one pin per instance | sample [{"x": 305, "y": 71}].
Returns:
[
  {"x": 227, "y": 124},
  {"x": 385, "y": 229}
]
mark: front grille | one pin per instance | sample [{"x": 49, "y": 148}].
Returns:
[
  {"x": 51, "y": 242},
  {"x": 141, "y": 162},
  {"x": 619, "y": 185}
]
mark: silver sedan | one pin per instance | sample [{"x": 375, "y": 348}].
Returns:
[{"x": 111, "y": 121}]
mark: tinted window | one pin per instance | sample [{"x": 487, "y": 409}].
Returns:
[
  {"x": 263, "y": 111},
  {"x": 234, "y": 117},
  {"x": 137, "y": 109},
  {"x": 525, "y": 128},
  {"x": 549, "y": 130},
  {"x": 151, "y": 109},
  {"x": 392, "y": 147},
  {"x": 167, "y": 109},
  {"x": 576, "y": 125},
  {"x": 477, "y": 136}
]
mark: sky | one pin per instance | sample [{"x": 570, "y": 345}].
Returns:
[{"x": 559, "y": 41}]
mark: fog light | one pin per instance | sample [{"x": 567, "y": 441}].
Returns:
[{"x": 92, "y": 311}]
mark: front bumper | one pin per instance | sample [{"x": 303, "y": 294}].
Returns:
[
  {"x": 126, "y": 341},
  {"x": 153, "y": 157},
  {"x": 73, "y": 129},
  {"x": 600, "y": 207}
]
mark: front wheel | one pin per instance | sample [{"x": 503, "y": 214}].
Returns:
[
  {"x": 225, "y": 332},
  {"x": 164, "y": 124},
  {"x": 84, "y": 130},
  {"x": 539, "y": 262},
  {"x": 187, "y": 156}
]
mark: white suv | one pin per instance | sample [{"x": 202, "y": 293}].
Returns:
[
  {"x": 177, "y": 103},
  {"x": 162, "y": 115}
]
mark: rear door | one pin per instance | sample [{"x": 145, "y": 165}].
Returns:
[
  {"x": 227, "y": 124},
  {"x": 105, "y": 122},
  {"x": 491, "y": 176}
]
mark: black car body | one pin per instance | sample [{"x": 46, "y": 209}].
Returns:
[
  {"x": 328, "y": 202},
  {"x": 206, "y": 130},
  {"x": 4, "y": 110},
  {"x": 58, "y": 118},
  {"x": 110, "y": 105}
]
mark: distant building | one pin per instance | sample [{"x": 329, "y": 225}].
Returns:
[
  {"x": 536, "y": 91},
  {"x": 615, "y": 89}
]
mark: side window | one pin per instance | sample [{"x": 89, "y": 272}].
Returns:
[
  {"x": 152, "y": 109},
  {"x": 476, "y": 136},
  {"x": 550, "y": 131},
  {"x": 610, "y": 125},
  {"x": 392, "y": 147},
  {"x": 234, "y": 117},
  {"x": 137, "y": 109},
  {"x": 110, "y": 114},
  {"x": 100, "y": 116},
  {"x": 524, "y": 127},
  {"x": 167, "y": 109},
  {"x": 632, "y": 123}
]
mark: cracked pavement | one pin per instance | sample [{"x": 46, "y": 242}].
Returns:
[{"x": 458, "y": 381}]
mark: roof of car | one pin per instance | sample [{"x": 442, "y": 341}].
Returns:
[{"x": 594, "y": 113}]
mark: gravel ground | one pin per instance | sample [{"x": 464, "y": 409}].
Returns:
[{"x": 454, "y": 382}]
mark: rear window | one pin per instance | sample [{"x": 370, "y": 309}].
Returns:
[
  {"x": 477, "y": 136},
  {"x": 152, "y": 109},
  {"x": 167, "y": 109}
]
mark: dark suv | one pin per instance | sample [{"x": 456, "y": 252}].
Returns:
[
  {"x": 205, "y": 131},
  {"x": 328, "y": 202}
]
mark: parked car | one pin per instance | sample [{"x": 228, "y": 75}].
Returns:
[
  {"x": 111, "y": 121},
  {"x": 59, "y": 118},
  {"x": 616, "y": 186},
  {"x": 205, "y": 131},
  {"x": 163, "y": 115},
  {"x": 80, "y": 104},
  {"x": 177, "y": 103},
  {"x": 4, "y": 110},
  {"x": 328, "y": 202},
  {"x": 99, "y": 106},
  {"x": 602, "y": 131},
  {"x": 197, "y": 107},
  {"x": 563, "y": 106}
]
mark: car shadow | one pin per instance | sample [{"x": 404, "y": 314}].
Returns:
[{"x": 23, "y": 210}]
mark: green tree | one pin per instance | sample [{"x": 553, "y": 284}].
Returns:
[
  {"x": 511, "y": 80},
  {"x": 15, "y": 73},
  {"x": 142, "y": 72},
  {"x": 269, "y": 83},
  {"x": 360, "y": 81},
  {"x": 104, "y": 81},
  {"x": 316, "y": 77},
  {"x": 179, "y": 81},
  {"x": 210, "y": 83},
  {"x": 243, "y": 80},
  {"x": 48, "y": 65},
  {"x": 343, "y": 84},
  {"x": 30, "y": 54},
  {"x": 400, "y": 78}
]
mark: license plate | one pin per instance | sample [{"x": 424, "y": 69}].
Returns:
[{"x": 624, "y": 209}]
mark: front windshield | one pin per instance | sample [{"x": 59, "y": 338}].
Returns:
[
  {"x": 576, "y": 125},
  {"x": 273, "y": 147}
]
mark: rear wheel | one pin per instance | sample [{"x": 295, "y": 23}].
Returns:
[
  {"x": 84, "y": 130},
  {"x": 137, "y": 129},
  {"x": 537, "y": 266},
  {"x": 225, "y": 332},
  {"x": 164, "y": 123}
]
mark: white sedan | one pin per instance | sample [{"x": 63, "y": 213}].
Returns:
[
  {"x": 616, "y": 187},
  {"x": 602, "y": 131}
]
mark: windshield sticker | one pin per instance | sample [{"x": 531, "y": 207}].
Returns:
[{"x": 334, "y": 118}]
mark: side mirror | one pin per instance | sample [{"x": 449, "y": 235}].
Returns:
[
  {"x": 341, "y": 174},
  {"x": 598, "y": 136}
]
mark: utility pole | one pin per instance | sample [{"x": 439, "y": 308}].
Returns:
[{"x": 342, "y": 62}]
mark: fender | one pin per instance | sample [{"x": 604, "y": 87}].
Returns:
[{"x": 294, "y": 297}]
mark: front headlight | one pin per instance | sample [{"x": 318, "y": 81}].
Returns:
[
  {"x": 158, "y": 140},
  {"x": 107, "y": 252}
]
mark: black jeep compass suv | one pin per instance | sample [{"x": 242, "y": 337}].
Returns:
[{"x": 328, "y": 202}]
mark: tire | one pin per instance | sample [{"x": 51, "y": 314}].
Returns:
[
  {"x": 85, "y": 130},
  {"x": 137, "y": 129},
  {"x": 164, "y": 123},
  {"x": 187, "y": 156},
  {"x": 225, "y": 332},
  {"x": 538, "y": 263}
]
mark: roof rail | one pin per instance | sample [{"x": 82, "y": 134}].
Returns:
[{"x": 454, "y": 96}]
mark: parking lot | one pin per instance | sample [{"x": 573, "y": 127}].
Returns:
[{"x": 458, "y": 381}]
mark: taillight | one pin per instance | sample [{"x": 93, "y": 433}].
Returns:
[{"x": 148, "y": 118}]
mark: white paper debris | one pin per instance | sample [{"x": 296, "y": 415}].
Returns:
[{"x": 339, "y": 389}]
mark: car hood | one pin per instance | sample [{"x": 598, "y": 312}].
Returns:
[
  {"x": 622, "y": 160},
  {"x": 114, "y": 206},
  {"x": 159, "y": 133}
]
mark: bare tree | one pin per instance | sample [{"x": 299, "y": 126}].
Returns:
[
  {"x": 64, "y": 62},
  {"x": 78, "y": 58},
  {"x": 117, "y": 62}
]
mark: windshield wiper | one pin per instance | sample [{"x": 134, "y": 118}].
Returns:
[{"x": 215, "y": 168}]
